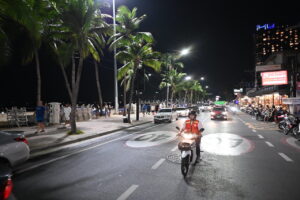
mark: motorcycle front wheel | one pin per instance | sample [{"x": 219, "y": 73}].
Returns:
[
  {"x": 286, "y": 130},
  {"x": 185, "y": 162},
  {"x": 296, "y": 132}
]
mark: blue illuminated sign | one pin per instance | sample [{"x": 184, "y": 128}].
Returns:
[{"x": 265, "y": 26}]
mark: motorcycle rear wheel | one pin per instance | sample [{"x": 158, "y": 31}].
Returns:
[{"x": 185, "y": 165}]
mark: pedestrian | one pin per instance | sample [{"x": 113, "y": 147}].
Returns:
[
  {"x": 152, "y": 109},
  {"x": 47, "y": 114},
  {"x": 148, "y": 109},
  {"x": 156, "y": 108},
  {"x": 144, "y": 109},
  {"x": 109, "y": 109},
  {"x": 106, "y": 110},
  {"x": 67, "y": 112},
  {"x": 40, "y": 117}
]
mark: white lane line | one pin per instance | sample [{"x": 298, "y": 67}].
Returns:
[
  {"x": 260, "y": 136},
  {"x": 76, "y": 152},
  {"x": 128, "y": 192},
  {"x": 254, "y": 130},
  {"x": 285, "y": 157},
  {"x": 174, "y": 149},
  {"x": 269, "y": 144},
  {"x": 158, "y": 163}
]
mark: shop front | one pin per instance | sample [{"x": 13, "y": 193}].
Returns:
[{"x": 293, "y": 105}]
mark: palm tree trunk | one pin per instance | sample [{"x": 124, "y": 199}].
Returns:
[
  {"x": 191, "y": 97},
  {"x": 131, "y": 93},
  {"x": 185, "y": 95},
  {"x": 66, "y": 80},
  {"x": 124, "y": 95},
  {"x": 76, "y": 91},
  {"x": 38, "y": 73},
  {"x": 98, "y": 85},
  {"x": 172, "y": 95},
  {"x": 73, "y": 98}
]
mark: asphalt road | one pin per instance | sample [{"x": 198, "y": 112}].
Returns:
[{"x": 242, "y": 159}]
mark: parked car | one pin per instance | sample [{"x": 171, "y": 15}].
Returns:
[
  {"x": 194, "y": 108},
  {"x": 218, "y": 113},
  {"x": 13, "y": 148},
  {"x": 6, "y": 183},
  {"x": 182, "y": 112},
  {"x": 165, "y": 115}
]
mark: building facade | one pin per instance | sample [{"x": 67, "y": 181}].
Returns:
[{"x": 273, "y": 38}]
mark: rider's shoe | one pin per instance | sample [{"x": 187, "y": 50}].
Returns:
[{"x": 197, "y": 159}]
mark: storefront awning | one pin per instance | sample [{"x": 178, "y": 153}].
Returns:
[{"x": 269, "y": 90}]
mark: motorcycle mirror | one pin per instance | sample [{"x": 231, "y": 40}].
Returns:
[
  {"x": 202, "y": 129},
  {"x": 177, "y": 128}
]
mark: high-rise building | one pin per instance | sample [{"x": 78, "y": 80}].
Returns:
[{"x": 272, "y": 38}]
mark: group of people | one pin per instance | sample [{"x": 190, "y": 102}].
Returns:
[
  {"x": 150, "y": 108},
  {"x": 266, "y": 113}
]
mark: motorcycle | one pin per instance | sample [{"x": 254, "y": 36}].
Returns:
[
  {"x": 187, "y": 147},
  {"x": 286, "y": 124},
  {"x": 296, "y": 128}
]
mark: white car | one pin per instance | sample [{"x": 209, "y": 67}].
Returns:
[
  {"x": 182, "y": 112},
  {"x": 13, "y": 148},
  {"x": 165, "y": 115}
]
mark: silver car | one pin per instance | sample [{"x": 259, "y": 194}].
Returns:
[{"x": 13, "y": 148}]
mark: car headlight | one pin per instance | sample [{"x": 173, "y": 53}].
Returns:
[
  {"x": 224, "y": 113},
  {"x": 212, "y": 113}
]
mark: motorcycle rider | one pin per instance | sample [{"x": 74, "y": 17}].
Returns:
[{"x": 192, "y": 125}]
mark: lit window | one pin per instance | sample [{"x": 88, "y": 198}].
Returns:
[{"x": 264, "y": 39}]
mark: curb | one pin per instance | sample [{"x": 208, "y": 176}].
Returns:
[{"x": 84, "y": 138}]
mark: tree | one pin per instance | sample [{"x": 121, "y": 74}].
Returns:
[
  {"x": 172, "y": 78},
  {"x": 79, "y": 35},
  {"x": 127, "y": 26},
  {"x": 136, "y": 54},
  {"x": 34, "y": 16},
  {"x": 169, "y": 62}
]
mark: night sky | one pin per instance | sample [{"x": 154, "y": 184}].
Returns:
[{"x": 219, "y": 32}]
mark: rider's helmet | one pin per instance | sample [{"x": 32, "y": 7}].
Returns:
[{"x": 193, "y": 113}]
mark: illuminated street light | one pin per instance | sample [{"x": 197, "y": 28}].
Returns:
[
  {"x": 202, "y": 78},
  {"x": 184, "y": 52},
  {"x": 206, "y": 86},
  {"x": 149, "y": 75},
  {"x": 187, "y": 78}
]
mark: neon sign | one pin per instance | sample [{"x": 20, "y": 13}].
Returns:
[{"x": 265, "y": 26}]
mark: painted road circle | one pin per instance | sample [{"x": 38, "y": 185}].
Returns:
[
  {"x": 293, "y": 142},
  {"x": 151, "y": 139},
  {"x": 225, "y": 144}
]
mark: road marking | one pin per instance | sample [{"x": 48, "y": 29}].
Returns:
[
  {"x": 128, "y": 192},
  {"x": 254, "y": 130},
  {"x": 285, "y": 157},
  {"x": 158, "y": 163},
  {"x": 260, "y": 136},
  {"x": 76, "y": 152},
  {"x": 269, "y": 144},
  {"x": 174, "y": 149}
]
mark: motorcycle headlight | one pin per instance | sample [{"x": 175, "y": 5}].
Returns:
[{"x": 188, "y": 136}]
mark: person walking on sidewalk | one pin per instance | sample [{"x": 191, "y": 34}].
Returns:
[
  {"x": 106, "y": 110},
  {"x": 67, "y": 112},
  {"x": 40, "y": 117}
]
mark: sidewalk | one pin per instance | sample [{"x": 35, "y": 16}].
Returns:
[{"x": 56, "y": 136}]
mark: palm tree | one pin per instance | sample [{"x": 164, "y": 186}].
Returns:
[
  {"x": 136, "y": 54},
  {"x": 172, "y": 78},
  {"x": 33, "y": 16},
  {"x": 127, "y": 25},
  {"x": 80, "y": 35},
  {"x": 195, "y": 87},
  {"x": 169, "y": 62}
]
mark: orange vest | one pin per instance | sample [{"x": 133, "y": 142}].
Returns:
[{"x": 192, "y": 127}]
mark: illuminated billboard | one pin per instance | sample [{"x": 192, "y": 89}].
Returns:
[{"x": 275, "y": 78}]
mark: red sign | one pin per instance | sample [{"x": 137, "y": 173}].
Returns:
[{"x": 274, "y": 78}]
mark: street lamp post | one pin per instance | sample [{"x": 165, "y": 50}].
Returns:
[{"x": 115, "y": 62}]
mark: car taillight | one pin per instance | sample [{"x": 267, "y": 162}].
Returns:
[
  {"x": 7, "y": 189},
  {"x": 21, "y": 139}
]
